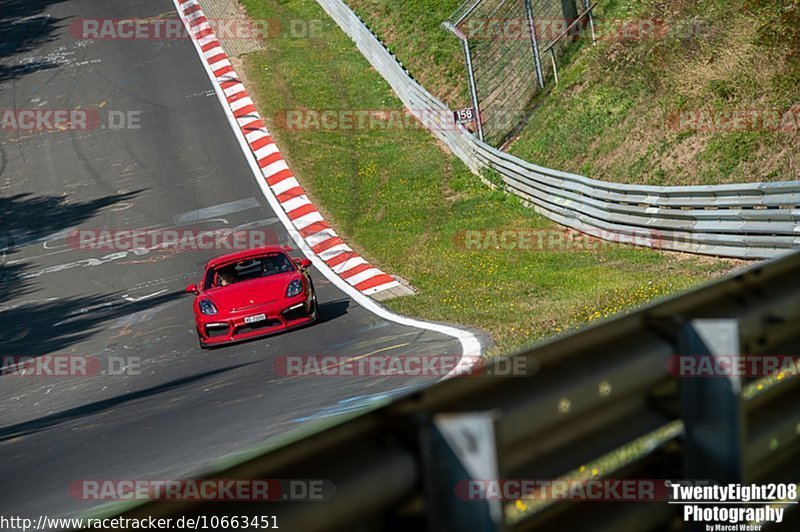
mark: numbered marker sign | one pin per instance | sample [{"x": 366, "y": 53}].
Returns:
[{"x": 463, "y": 116}]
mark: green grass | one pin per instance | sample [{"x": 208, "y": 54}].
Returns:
[
  {"x": 412, "y": 29},
  {"x": 609, "y": 118},
  {"x": 401, "y": 200}
]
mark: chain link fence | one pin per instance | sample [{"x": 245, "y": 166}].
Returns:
[{"x": 510, "y": 48}]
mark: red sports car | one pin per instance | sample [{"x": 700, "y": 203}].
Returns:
[{"x": 252, "y": 293}]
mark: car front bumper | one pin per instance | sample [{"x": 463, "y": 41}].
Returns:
[{"x": 292, "y": 313}]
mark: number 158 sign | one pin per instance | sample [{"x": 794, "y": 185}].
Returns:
[{"x": 463, "y": 116}]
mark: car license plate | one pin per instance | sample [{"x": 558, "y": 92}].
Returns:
[{"x": 256, "y": 318}]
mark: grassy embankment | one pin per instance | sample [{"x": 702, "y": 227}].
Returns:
[
  {"x": 400, "y": 199},
  {"x": 614, "y": 115}
]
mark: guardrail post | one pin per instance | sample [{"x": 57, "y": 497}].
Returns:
[
  {"x": 713, "y": 410},
  {"x": 458, "y": 448}
]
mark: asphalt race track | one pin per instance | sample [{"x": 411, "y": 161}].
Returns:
[{"x": 179, "y": 410}]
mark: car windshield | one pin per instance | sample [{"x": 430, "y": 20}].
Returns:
[{"x": 254, "y": 268}]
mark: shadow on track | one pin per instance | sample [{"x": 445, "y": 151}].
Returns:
[
  {"x": 331, "y": 310},
  {"x": 47, "y": 325},
  {"x": 43, "y": 423},
  {"x": 40, "y": 328},
  {"x": 24, "y": 218},
  {"x": 24, "y": 27}
]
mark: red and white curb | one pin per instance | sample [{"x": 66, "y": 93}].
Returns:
[
  {"x": 318, "y": 234},
  {"x": 335, "y": 260}
]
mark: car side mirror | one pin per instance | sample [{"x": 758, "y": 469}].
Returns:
[
  {"x": 304, "y": 264},
  {"x": 192, "y": 289}
]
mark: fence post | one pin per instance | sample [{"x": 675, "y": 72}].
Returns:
[
  {"x": 467, "y": 13},
  {"x": 457, "y": 448},
  {"x": 586, "y": 6},
  {"x": 712, "y": 407},
  {"x": 537, "y": 59},
  {"x": 555, "y": 66},
  {"x": 473, "y": 89},
  {"x": 569, "y": 11}
]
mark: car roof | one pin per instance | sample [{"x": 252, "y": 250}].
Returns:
[{"x": 244, "y": 255}]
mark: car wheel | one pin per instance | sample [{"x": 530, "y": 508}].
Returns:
[{"x": 314, "y": 307}]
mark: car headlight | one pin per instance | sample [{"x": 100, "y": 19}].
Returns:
[
  {"x": 207, "y": 307},
  {"x": 295, "y": 288}
]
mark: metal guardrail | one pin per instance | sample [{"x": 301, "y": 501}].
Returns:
[
  {"x": 600, "y": 393},
  {"x": 751, "y": 221},
  {"x": 594, "y": 393}
]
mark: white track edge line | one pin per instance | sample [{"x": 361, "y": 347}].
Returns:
[{"x": 470, "y": 345}]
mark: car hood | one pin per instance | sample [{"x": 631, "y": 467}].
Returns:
[{"x": 240, "y": 297}]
